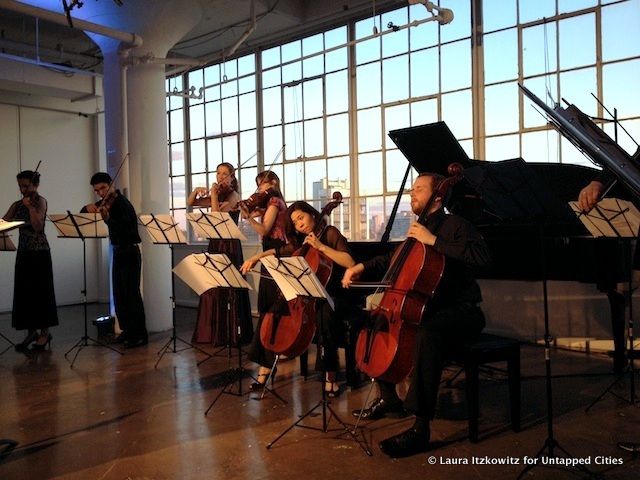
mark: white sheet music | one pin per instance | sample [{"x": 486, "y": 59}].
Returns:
[
  {"x": 611, "y": 217},
  {"x": 294, "y": 277},
  {"x": 214, "y": 225},
  {"x": 90, "y": 225},
  {"x": 6, "y": 226},
  {"x": 162, "y": 228},
  {"x": 204, "y": 271}
]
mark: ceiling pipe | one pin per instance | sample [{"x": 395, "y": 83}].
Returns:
[{"x": 131, "y": 39}]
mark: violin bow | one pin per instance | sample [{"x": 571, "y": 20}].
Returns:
[{"x": 113, "y": 180}]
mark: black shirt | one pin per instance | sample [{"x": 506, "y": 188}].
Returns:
[
  {"x": 122, "y": 221},
  {"x": 463, "y": 248}
]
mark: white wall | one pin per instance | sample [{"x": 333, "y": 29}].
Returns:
[{"x": 68, "y": 145}]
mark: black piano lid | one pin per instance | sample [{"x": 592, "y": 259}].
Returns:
[{"x": 430, "y": 148}]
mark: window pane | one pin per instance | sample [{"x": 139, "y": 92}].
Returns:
[
  {"x": 179, "y": 191},
  {"x": 396, "y": 168},
  {"x": 577, "y": 86},
  {"x": 177, "y": 159},
  {"x": 369, "y": 130},
  {"x": 456, "y": 111},
  {"x": 271, "y": 107},
  {"x": 425, "y": 35},
  {"x": 196, "y": 121},
  {"x": 271, "y": 57},
  {"x": 196, "y": 79},
  {"x": 339, "y": 173},
  {"x": 214, "y": 152},
  {"x": 371, "y": 217},
  {"x": 456, "y": 65},
  {"x": 370, "y": 173},
  {"x": 395, "y": 78},
  {"x": 199, "y": 180},
  {"x": 424, "y": 65},
  {"x": 313, "y": 138},
  {"x": 396, "y": 42},
  {"x": 248, "y": 148},
  {"x": 336, "y": 60},
  {"x": 338, "y": 135},
  {"x": 177, "y": 125},
  {"x": 228, "y": 88},
  {"x": 573, "y": 156},
  {"x": 315, "y": 178},
  {"x": 498, "y": 14},
  {"x": 212, "y": 113},
  {"x": 501, "y": 56},
  {"x": 368, "y": 85},
  {"x": 337, "y": 89},
  {"x": 538, "y": 53},
  {"x": 502, "y": 148},
  {"x": 394, "y": 118},
  {"x": 247, "y": 84},
  {"x": 565, "y": 6},
  {"x": 291, "y": 51},
  {"x": 461, "y": 26},
  {"x": 246, "y": 64},
  {"x": 292, "y": 72},
  {"x": 540, "y": 146},
  {"x": 542, "y": 87},
  {"x": 620, "y": 32},
  {"x": 424, "y": 112},
  {"x": 247, "y": 180},
  {"x": 501, "y": 108},
  {"x": 312, "y": 44},
  {"x": 530, "y": 11},
  {"x": 293, "y": 182},
  {"x": 230, "y": 114},
  {"x": 577, "y": 41},
  {"x": 293, "y": 140},
  {"x": 247, "y": 111},
  {"x": 335, "y": 37},
  {"x": 370, "y": 49},
  {"x": 271, "y": 78},
  {"x": 313, "y": 66},
  {"x": 229, "y": 69},
  {"x": 403, "y": 219},
  {"x": 176, "y": 84},
  {"x": 198, "y": 157},
  {"x": 272, "y": 144},
  {"x": 313, "y": 105},
  {"x": 292, "y": 103},
  {"x": 619, "y": 90},
  {"x": 229, "y": 150},
  {"x": 212, "y": 93}
]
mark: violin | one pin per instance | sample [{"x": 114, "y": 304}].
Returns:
[
  {"x": 384, "y": 350},
  {"x": 289, "y": 328},
  {"x": 258, "y": 200}
]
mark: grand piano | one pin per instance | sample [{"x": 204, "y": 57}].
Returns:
[{"x": 529, "y": 240}]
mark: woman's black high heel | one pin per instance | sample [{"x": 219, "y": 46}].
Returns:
[
  {"x": 332, "y": 389},
  {"x": 42, "y": 346},
  {"x": 24, "y": 345}
]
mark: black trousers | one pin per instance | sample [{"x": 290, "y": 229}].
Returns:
[
  {"x": 127, "y": 265},
  {"x": 437, "y": 338}
]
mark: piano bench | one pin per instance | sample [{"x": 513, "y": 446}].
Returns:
[{"x": 489, "y": 349}]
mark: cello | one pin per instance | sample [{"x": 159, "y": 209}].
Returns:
[
  {"x": 289, "y": 327},
  {"x": 384, "y": 350}
]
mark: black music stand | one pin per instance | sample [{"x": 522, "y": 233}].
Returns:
[
  {"x": 6, "y": 245},
  {"x": 202, "y": 272},
  {"x": 164, "y": 230},
  {"x": 82, "y": 226},
  {"x": 510, "y": 190},
  {"x": 218, "y": 226},
  {"x": 295, "y": 278},
  {"x": 612, "y": 217}
]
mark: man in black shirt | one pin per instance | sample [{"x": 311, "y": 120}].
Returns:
[
  {"x": 451, "y": 317},
  {"x": 120, "y": 217}
]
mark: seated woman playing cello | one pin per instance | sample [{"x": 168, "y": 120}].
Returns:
[{"x": 305, "y": 226}]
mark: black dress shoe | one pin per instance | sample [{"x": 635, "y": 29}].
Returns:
[
  {"x": 135, "y": 342},
  {"x": 119, "y": 339},
  {"x": 380, "y": 408},
  {"x": 406, "y": 443}
]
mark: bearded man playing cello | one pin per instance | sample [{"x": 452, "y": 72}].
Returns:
[{"x": 451, "y": 318}]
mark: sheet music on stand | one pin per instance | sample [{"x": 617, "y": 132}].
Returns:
[
  {"x": 295, "y": 277},
  {"x": 214, "y": 225},
  {"x": 6, "y": 244},
  {"x": 204, "y": 271},
  {"x": 611, "y": 217},
  {"x": 79, "y": 225},
  {"x": 162, "y": 228}
]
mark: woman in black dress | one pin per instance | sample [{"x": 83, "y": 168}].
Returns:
[
  {"x": 34, "y": 300},
  {"x": 214, "y": 316}
]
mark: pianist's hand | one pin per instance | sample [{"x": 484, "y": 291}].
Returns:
[{"x": 589, "y": 196}]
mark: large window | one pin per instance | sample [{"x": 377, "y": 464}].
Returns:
[{"x": 317, "y": 110}]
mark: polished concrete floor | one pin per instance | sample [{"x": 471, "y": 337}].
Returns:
[{"x": 117, "y": 417}]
